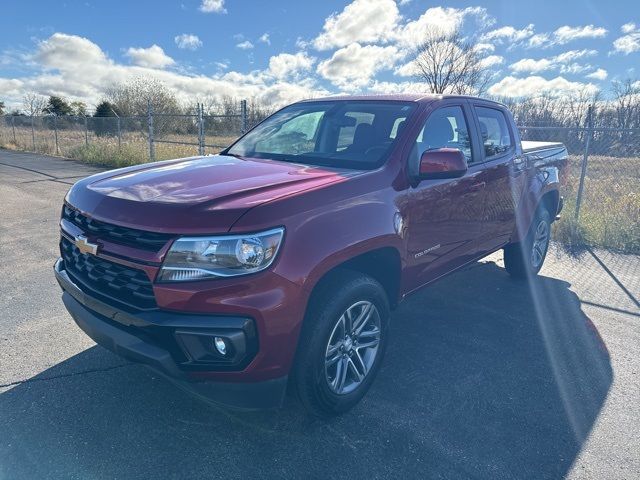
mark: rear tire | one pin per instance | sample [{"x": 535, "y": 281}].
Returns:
[
  {"x": 342, "y": 343},
  {"x": 525, "y": 259}
]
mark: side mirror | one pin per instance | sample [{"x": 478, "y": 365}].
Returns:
[{"x": 442, "y": 163}]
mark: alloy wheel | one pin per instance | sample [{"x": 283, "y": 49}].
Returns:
[
  {"x": 540, "y": 244},
  {"x": 353, "y": 347}
]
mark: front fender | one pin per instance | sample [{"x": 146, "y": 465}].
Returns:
[{"x": 326, "y": 228}]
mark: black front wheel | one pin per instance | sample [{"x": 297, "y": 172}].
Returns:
[
  {"x": 525, "y": 259},
  {"x": 342, "y": 344}
]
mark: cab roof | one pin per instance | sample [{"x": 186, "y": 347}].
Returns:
[{"x": 400, "y": 97}]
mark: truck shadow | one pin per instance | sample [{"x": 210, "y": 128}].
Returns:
[{"x": 484, "y": 377}]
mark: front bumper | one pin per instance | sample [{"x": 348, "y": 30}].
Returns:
[{"x": 126, "y": 334}]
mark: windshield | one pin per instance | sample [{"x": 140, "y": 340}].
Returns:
[{"x": 348, "y": 134}]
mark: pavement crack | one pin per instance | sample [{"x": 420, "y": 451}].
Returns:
[
  {"x": 28, "y": 170},
  {"x": 72, "y": 374}
]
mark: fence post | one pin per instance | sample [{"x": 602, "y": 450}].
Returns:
[
  {"x": 55, "y": 133},
  {"x": 13, "y": 128},
  {"x": 200, "y": 129},
  {"x": 33, "y": 135},
  {"x": 585, "y": 159},
  {"x": 243, "y": 114},
  {"x": 152, "y": 151},
  {"x": 119, "y": 134},
  {"x": 86, "y": 131}
]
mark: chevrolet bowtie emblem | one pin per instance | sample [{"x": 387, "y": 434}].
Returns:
[{"x": 85, "y": 246}]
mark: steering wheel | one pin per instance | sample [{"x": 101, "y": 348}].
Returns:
[{"x": 374, "y": 148}]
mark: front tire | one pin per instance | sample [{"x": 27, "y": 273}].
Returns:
[
  {"x": 342, "y": 343},
  {"x": 525, "y": 259}
]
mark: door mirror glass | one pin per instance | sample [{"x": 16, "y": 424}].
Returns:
[{"x": 442, "y": 163}]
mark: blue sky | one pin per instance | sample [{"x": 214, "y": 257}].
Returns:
[{"x": 283, "y": 50}]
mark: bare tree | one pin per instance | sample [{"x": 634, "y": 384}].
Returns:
[
  {"x": 447, "y": 63},
  {"x": 626, "y": 103},
  {"x": 33, "y": 103},
  {"x": 577, "y": 106},
  {"x": 132, "y": 98}
]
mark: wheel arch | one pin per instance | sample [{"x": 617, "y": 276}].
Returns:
[
  {"x": 383, "y": 264},
  {"x": 549, "y": 197}
]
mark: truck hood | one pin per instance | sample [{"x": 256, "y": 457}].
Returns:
[{"x": 194, "y": 195}]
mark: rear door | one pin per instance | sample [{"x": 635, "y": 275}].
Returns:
[
  {"x": 502, "y": 173},
  {"x": 443, "y": 218}
]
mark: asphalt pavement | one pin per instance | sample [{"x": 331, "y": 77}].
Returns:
[{"x": 485, "y": 377}]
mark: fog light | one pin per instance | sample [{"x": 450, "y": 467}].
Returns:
[{"x": 220, "y": 345}]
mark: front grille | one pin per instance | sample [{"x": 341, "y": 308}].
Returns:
[
  {"x": 128, "y": 286},
  {"x": 131, "y": 237}
]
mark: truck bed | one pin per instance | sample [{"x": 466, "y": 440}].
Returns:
[
  {"x": 530, "y": 147},
  {"x": 545, "y": 151}
]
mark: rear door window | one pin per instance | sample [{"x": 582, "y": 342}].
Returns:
[{"x": 494, "y": 132}]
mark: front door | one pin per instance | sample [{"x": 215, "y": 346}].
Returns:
[{"x": 443, "y": 218}]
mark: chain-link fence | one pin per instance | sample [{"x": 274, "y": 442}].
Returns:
[
  {"x": 600, "y": 184},
  {"x": 604, "y": 211},
  {"x": 120, "y": 141}
]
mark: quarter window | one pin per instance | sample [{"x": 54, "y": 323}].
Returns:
[{"x": 494, "y": 130}]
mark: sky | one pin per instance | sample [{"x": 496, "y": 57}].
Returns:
[{"x": 281, "y": 51}]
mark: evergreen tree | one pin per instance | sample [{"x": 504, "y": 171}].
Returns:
[
  {"x": 104, "y": 123},
  {"x": 57, "y": 106}
]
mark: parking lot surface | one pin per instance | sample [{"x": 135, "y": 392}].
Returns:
[{"x": 485, "y": 377}]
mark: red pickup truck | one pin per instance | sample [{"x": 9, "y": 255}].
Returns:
[{"x": 276, "y": 263}]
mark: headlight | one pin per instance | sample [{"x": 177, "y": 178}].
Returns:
[{"x": 199, "y": 258}]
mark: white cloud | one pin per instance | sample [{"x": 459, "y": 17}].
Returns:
[
  {"x": 535, "y": 85},
  {"x": 264, "y": 38},
  {"x": 188, "y": 41},
  {"x": 628, "y": 43},
  {"x": 531, "y": 65},
  {"x": 575, "y": 68},
  {"x": 396, "y": 87},
  {"x": 407, "y": 69},
  {"x": 439, "y": 19},
  {"x": 560, "y": 61},
  {"x": 10, "y": 86},
  {"x": 246, "y": 45},
  {"x": 492, "y": 61},
  {"x": 286, "y": 65},
  {"x": 352, "y": 67},
  {"x": 599, "y": 74},
  {"x": 212, "y": 6},
  {"x": 560, "y": 36},
  {"x": 485, "y": 47},
  {"x": 379, "y": 22},
  {"x": 76, "y": 68},
  {"x": 566, "y": 34},
  {"x": 572, "y": 55},
  {"x": 508, "y": 34},
  {"x": 364, "y": 21},
  {"x": 539, "y": 40},
  {"x": 152, "y": 57},
  {"x": 68, "y": 52}
]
